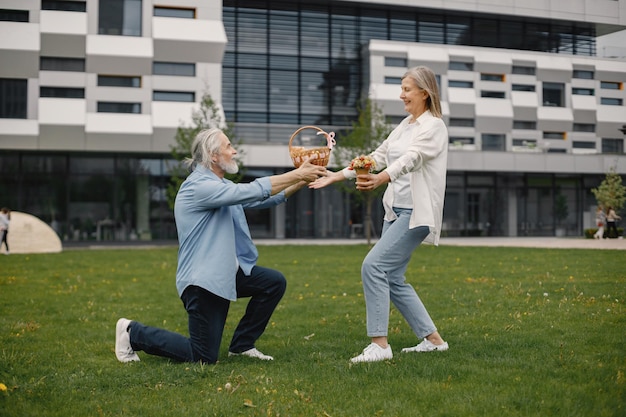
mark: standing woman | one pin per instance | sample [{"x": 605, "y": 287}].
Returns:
[
  {"x": 414, "y": 158},
  {"x": 611, "y": 222},
  {"x": 5, "y": 220}
]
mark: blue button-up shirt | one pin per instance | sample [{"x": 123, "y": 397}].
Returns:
[{"x": 213, "y": 234}]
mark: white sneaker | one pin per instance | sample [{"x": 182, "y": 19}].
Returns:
[
  {"x": 123, "y": 350},
  {"x": 373, "y": 353},
  {"x": 427, "y": 346},
  {"x": 253, "y": 353}
]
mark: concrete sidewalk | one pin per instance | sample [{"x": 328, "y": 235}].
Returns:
[{"x": 520, "y": 242}]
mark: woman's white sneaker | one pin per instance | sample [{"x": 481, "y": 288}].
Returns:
[
  {"x": 373, "y": 353},
  {"x": 427, "y": 346}
]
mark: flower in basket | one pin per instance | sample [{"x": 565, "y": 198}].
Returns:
[{"x": 363, "y": 163}]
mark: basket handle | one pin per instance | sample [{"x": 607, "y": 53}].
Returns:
[{"x": 329, "y": 136}]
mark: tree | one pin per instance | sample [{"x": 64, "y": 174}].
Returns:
[
  {"x": 611, "y": 192},
  {"x": 368, "y": 131},
  {"x": 208, "y": 116}
]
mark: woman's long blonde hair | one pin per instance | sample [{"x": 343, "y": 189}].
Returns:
[{"x": 425, "y": 79}]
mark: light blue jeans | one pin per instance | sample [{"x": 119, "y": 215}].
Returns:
[{"x": 383, "y": 278}]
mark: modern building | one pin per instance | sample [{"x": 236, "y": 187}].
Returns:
[{"x": 92, "y": 92}]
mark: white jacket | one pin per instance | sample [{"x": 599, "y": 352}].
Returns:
[{"x": 426, "y": 159}]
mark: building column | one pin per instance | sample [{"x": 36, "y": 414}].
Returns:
[
  {"x": 512, "y": 212},
  {"x": 279, "y": 221}
]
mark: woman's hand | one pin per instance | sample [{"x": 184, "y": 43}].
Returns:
[
  {"x": 369, "y": 182},
  {"x": 329, "y": 178}
]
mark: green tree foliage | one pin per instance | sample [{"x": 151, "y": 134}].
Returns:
[
  {"x": 611, "y": 192},
  {"x": 208, "y": 116},
  {"x": 368, "y": 131}
]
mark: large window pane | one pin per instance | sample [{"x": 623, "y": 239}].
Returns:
[
  {"x": 553, "y": 94},
  {"x": 13, "y": 98},
  {"x": 120, "y": 17}
]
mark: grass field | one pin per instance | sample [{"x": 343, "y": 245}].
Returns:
[{"x": 532, "y": 332}]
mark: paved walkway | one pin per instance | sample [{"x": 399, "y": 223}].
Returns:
[{"x": 521, "y": 242}]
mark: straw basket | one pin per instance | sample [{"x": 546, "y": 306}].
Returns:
[{"x": 316, "y": 156}]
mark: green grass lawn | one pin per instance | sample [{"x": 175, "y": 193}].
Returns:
[{"x": 532, "y": 332}]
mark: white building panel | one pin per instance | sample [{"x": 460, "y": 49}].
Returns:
[
  {"x": 120, "y": 55},
  {"x": 63, "y": 23},
  {"x": 554, "y": 118},
  {"x": 121, "y": 124},
  {"x": 19, "y": 48},
  {"x": 524, "y": 105},
  {"x": 462, "y": 102},
  {"x": 60, "y": 111},
  {"x": 19, "y": 127},
  {"x": 62, "y": 79},
  {"x": 172, "y": 115},
  {"x": 188, "y": 40},
  {"x": 494, "y": 115}
]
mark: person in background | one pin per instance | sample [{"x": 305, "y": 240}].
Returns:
[
  {"x": 217, "y": 258},
  {"x": 600, "y": 220},
  {"x": 414, "y": 158},
  {"x": 5, "y": 221},
  {"x": 611, "y": 222}
]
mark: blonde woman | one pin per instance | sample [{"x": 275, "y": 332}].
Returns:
[{"x": 413, "y": 160}]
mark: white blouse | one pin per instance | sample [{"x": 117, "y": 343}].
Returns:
[{"x": 425, "y": 160}]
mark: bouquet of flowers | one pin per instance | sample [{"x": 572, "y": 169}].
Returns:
[{"x": 362, "y": 164}]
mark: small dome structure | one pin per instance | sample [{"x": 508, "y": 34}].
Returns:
[{"x": 29, "y": 234}]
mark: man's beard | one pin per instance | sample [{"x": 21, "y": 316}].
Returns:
[{"x": 228, "y": 167}]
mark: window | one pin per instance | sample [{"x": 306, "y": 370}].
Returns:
[
  {"x": 62, "y": 5},
  {"x": 610, "y": 145},
  {"x": 583, "y": 91},
  {"x": 460, "y": 84},
  {"x": 529, "y": 143},
  {"x": 173, "y": 96},
  {"x": 523, "y": 70},
  {"x": 579, "y": 144},
  {"x": 524, "y": 125},
  {"x": 61, "y": 64},
  {"x": 175, "y": 12},
  {"x": 585, "y": 75},
  {"x": 459, "y": 122},
  {"x": 554, "y": 135},
  {"x": 493, "y": 142},
  {"x": 607, "y": 101},
  {"x": 584, "y": 127},
  {"x": 460, "y": 140},
  {"x": 492, "y": 94},
  {"x": 118, "y": 81},
  {"x": 13, "y": 98},
  {"x": 62, "y": 92},
  {"x": 7, "y": 15},
  {"x": 522, "y": 87},
  {"x": 395, "y": 62},
  {"x": 553, "y": 94},
  {"x": 393, "y": 80},
  {"x": 120, "y": 17},
  {"x": 609, "y": 85},
  {"x": 112, "y": 107},
  {"x": 492, "y": 77},
  {"x": 461, "y": 66},
  {"x": 174, "y": 68}
]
